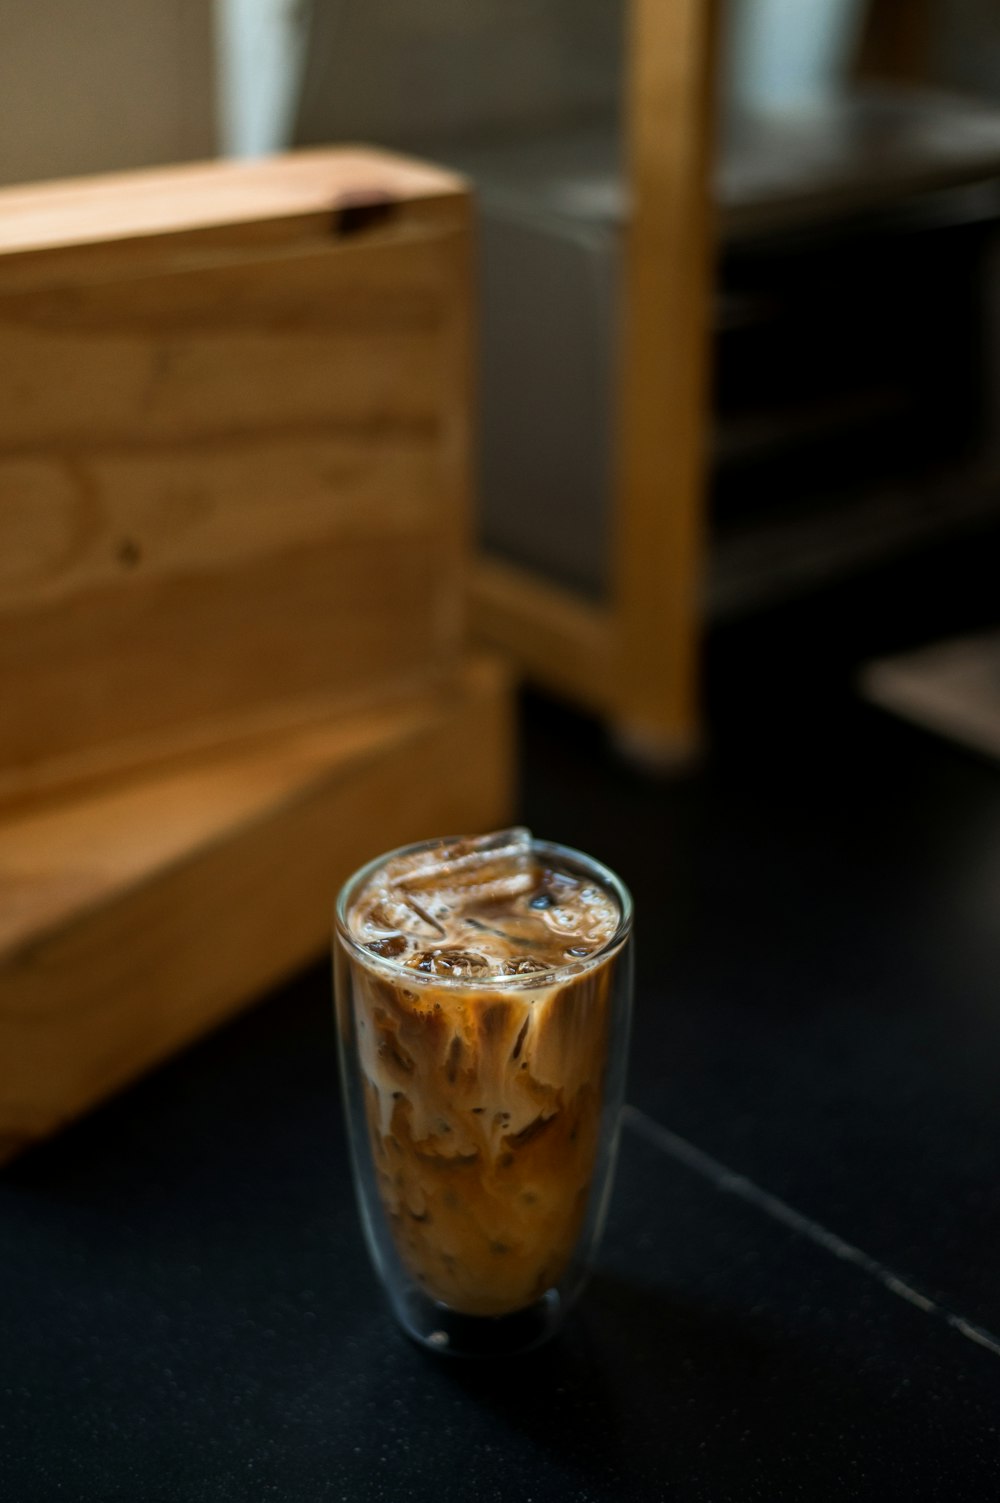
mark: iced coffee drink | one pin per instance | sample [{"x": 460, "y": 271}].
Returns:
[{"x": 477, "y": 996}]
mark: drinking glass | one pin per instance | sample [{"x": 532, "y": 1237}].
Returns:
[{"x": 483, "y": 1119}]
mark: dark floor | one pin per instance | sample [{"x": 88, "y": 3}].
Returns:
[{"x": 797, "y": 1290}]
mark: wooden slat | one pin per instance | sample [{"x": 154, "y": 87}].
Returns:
[
  {"x": 187, "y": 662},
  {"x": 138, "y": 915},
  {"x": 663, "y": 384},
  {"x": 555, "y": 638},
  {"x": 278, "y": 489},
  {"x": 327, "y": 335},
  {"x": 286, "y": 191}
]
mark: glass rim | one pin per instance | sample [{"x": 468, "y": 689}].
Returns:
[{"x": 534, "y": 981}]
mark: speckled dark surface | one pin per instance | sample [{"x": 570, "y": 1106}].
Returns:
[{"x": 186, "y": 1309}]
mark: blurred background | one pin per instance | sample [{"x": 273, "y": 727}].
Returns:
[
  {"x": 854, "y": 322},
  {"x": 736, "y": 417}
]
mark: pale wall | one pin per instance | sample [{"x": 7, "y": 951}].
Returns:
[{"x": 96, "y": 85}]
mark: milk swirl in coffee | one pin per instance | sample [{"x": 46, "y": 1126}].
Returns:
[{"x": 481, "y": 985}]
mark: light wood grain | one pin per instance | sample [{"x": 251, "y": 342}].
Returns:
[
  {"x": 658, "y": 514},
  {"x": 234, "y": 414},
  {"x": 292, "y": 192},
  {"x": 144, "y": 912},
  {"x": 556, "y": 639}
]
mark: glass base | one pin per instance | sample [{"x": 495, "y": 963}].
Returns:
[{"x": 445, "y": 1331}]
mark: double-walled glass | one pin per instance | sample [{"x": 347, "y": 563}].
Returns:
[{"x": 483, "y": 1117}]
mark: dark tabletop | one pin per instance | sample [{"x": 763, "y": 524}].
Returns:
[{"x": 797, "y": 1295}]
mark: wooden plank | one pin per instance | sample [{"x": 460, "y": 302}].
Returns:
[
  {"x": 555, "y": 638},
  {"x": 663, "y": 382},
  {"x": 141, "y": 914},
  {"x": 328, "y": 335},
  {"x": 233, "y": 477},
  {"x": 178, "y": 509},
  {"x": 293, "y": 192},
  {"x": 200, "y": 659}
]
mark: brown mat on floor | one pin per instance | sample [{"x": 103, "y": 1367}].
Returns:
[{"x": 952, "y": 688}]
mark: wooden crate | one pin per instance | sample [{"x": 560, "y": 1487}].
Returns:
[
  {"x": 234, "y": 419},
  {"x": 233, "y": 452},
  {"x": 140, "y": 912}
]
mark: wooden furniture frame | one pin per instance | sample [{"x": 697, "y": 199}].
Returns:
[{"x": 634, "y": 660}]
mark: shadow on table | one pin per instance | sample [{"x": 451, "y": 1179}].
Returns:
[
  {"x": 645, "y": 1392},
  {"x": 605, "y": 1396}
]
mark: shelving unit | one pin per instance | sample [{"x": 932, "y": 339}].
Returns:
[{"x": 597, "y": 586}]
